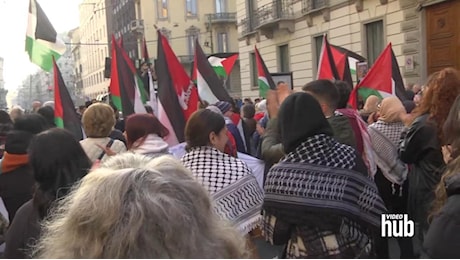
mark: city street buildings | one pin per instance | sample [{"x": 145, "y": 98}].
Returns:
[{"x": 288, "y": 34}]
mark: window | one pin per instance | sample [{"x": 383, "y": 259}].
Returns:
[
  {"x": 221, "y": 6},
  {"x": 374, "y": 40},
  {"x": 162, "y": 7},
  {"x": 192, "y": 34},
  {"x": 283, "y": 58},
  {"x": 222, "y": 42},
  {"x": 251, "y": 7},
  {"x": 317, "y": 45},
  {"x": 253, "y": 68},
  {"x": 190, "y": 8}
]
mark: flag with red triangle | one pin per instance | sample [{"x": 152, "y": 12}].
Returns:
[
  {"x": 383, "y": 79},
  {"x": 264, "y": 78},
  {"x": 126, "y": 87},
  {"x": 177, "y": 95},
  {"x": 65, "y": 115},
  {"x": 210, "y": 87},
  {"x": 327, "y": 68},
  {"x": 120, "y": 42}
]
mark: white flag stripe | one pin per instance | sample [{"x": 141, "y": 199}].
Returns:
[
  {"x": 204, "y": 91},
  {"x": 171, "y": 139}
]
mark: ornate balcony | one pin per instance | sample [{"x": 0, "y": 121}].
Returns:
[
  {"x": 312, "y": 7},
  {"x": 278, "y": 15},
  {"x": 221, "y": 18}
]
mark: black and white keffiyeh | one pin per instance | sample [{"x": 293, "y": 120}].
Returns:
[
  {"x": 234, "y": 189},
  {"x": 385, "y": 139},
  {"x": 320, "y": 177}
]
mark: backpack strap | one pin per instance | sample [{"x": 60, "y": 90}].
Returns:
[{"x": 109, "y": 144}]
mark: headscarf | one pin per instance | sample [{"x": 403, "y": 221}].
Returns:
[
  {"x": 300, "y": 117},
  {"x": 390, "y": 109},
  {"x": 370, "y": 106}
]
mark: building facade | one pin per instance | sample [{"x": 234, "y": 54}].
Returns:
[
  {"x": 3, "y": 91},
  {"x": 94, "y": 47},
  {"x": 212, "y": 22},
  {"x": 75, "y": 47},
  {"x": 121, "y": 14},
  {"x": 288, "y": 34}
]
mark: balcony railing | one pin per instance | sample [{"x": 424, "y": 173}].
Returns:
[
  {"x": 277, "y": 10},
  {"x": 312, "y": 5},
  {"x": 221, "y": 18}
]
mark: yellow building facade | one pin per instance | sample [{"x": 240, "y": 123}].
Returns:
[
  {"x": 94, "y": 47},
  {"x": 288, "y": 34},
  {"x": 213, "y": 22}
]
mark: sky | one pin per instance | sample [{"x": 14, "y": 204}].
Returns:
[{"x": 63, "y": 15}]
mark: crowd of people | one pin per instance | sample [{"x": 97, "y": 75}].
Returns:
[{"x": 330, "y": 172}]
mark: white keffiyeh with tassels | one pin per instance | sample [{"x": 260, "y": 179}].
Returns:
[{"x": 236, "y": 194}]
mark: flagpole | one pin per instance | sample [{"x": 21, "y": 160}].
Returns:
[{"x": 30, "y": 89}]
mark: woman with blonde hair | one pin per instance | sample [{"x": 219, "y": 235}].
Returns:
[
  {"x": 140, "y": 208},
  {"x": 98, "y": 122},
  {"x": 443, "y": 236},
  {"x": 422, "y": 141}
]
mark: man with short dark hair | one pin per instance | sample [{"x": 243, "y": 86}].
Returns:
[{"x": 328, "y": 97}]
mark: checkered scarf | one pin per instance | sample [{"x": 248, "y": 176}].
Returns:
[
  {"x": 234, "y": 189},
  {"x": 320, "y": 176},
  {"x": 317, "y": 190},
  {"x": 385, "y": 138}
]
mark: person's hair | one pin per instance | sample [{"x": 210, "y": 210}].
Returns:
[
  {"x": 249, "y": 110},
  {"x": 32, "y": 123},
  {"x": 157, "y": 210},
  {"x": 5, "y": 117},
  {"x": 344, "y": 89},
  {"x": 451, "y": 128},
  {"x": 441, "y": 90},
  {"x": 203, "y": 104},
  {"x": 280, "y": 82},
  {"x": 200, "y": 124},
  {"x": 324, "y": 90},
  {"x": 148, "y": 109},
  {"x": 451, "y": 131},
  {"x": 139, "y": 126},
  {"x": 15, "y": 113},
  {"x": 55, "y": 169},
  {"x": 48, "y": 113},
  {"x": 98, "y": 120}
]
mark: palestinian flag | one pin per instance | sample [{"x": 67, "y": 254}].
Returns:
[
  {"x": 41, "y": 38},
  {"x": 210, "y": 87},
  {"x": 145, "y": 52},
  {"x": 383, "y": 79},
  {"x": 223, "y": 63},
  {"x": 65, "y": 115},
  {"x": 177, "y": 95},
  {"x": 327, "y": 65},
  {"x": 126, "y": 87},
  {"x": 265, "y": 80},
  {"x": 120, "y": 42},
  {"x": 353, "y": 58}
]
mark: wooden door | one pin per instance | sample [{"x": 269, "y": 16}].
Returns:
[{"x": 443, "y": 36}]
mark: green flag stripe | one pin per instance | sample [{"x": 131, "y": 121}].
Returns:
[
  {"x": 220, "y": 71},
  {"x": 41, "y": 54},
  {"x": 366, "y": 92},
  {"x": 117, "y": 102},
  {"x": 263, "y": 87},
  {"x": 142, "y": 91},
  {"x": 59, "y": 122}
]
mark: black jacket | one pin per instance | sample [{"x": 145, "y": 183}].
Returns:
[
  {"x": 443, "y": 237},
  {"x": 16, "y": 188},
  {"x": 421, "y": 149}
]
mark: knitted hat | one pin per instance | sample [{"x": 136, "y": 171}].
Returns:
[
  {"x": 17, "y": 142},
  {"x": 214, "y": 109},
  {"x": 224, "y": 106}
]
